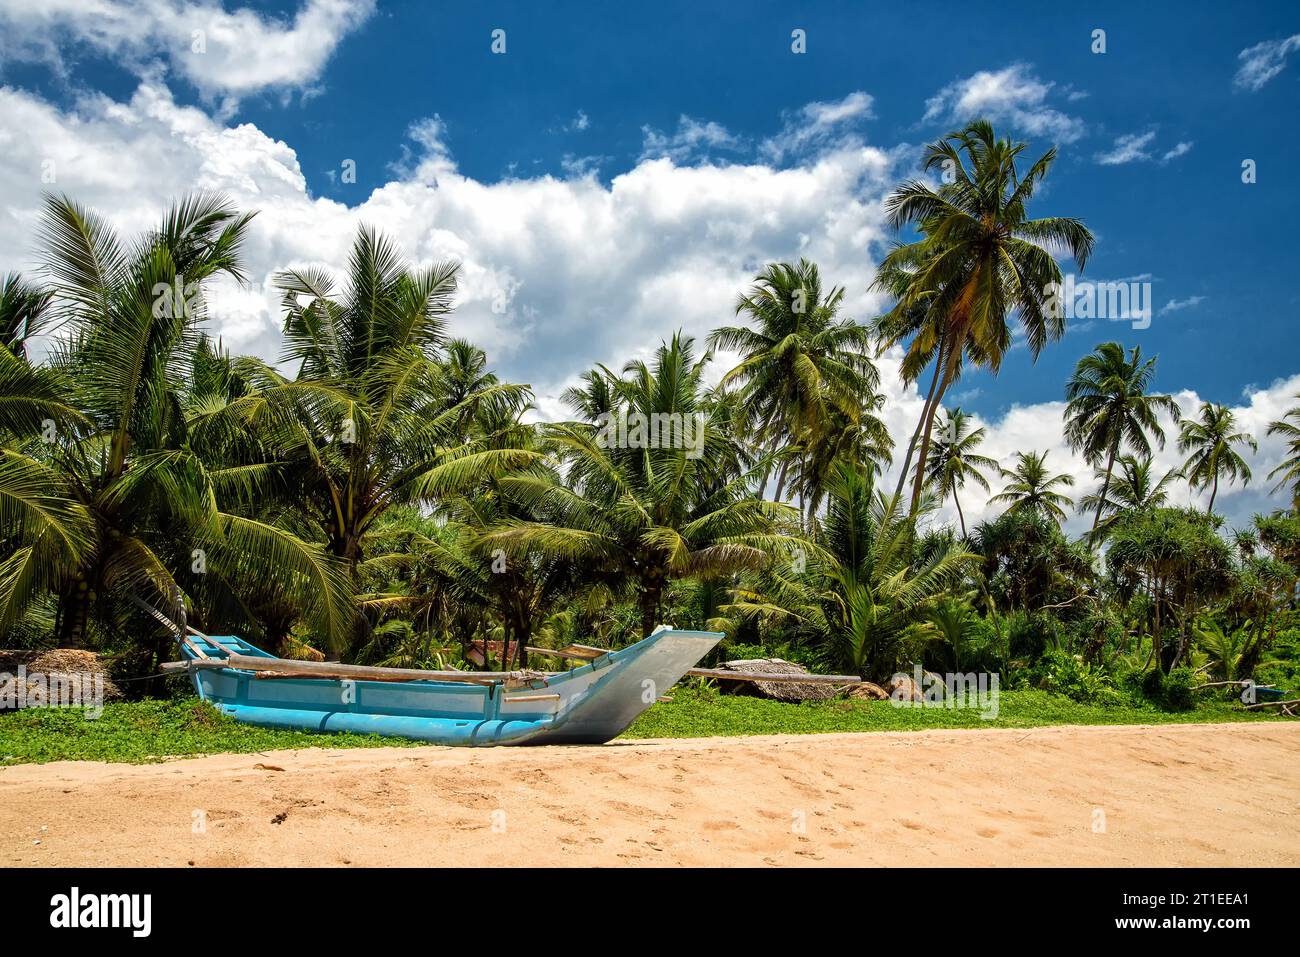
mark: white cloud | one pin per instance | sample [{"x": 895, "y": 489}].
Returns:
[
  {"x": 1175, "y": 305},
  {"x": 1012, "y": 95},
  {"x": 1263, "y": 61},
  {"x": 816, "y": 125},
  {"x": 1127, "y": 149},
  {"x": 1134, "y": 147},
  {"x": 1037, "y": 427},
  {"x": 692, "y": 140},
  {"x": 224, "y": 53},
  {"x": 558, "y": 273},
  {"x": 579, "y": 271}
]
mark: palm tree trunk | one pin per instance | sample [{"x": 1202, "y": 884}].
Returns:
[
  {"x": 780, "y": 480},
  {"x": 650, "y": 595},
  {"x": 924, "y": 452},
  {"x": 74, "y": 616},
  {"x": 960, "y": 517},
  {"x": 1157, "y": 646},
  {"x": 1105, "y": 487},
  {"x": 911, "y": 446},
  {"x": 1214, "y": 490}
]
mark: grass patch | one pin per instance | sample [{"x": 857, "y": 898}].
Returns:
[
  {"x": 140, "y": 732},
  {"x": 698, "y": 713}
]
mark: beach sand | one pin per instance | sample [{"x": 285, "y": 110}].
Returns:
[{"x": 1169, "y": 795}]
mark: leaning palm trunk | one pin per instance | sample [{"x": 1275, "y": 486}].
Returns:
[
  {"x": 926, "y": 410},
  {"x": 956, "y": 500},
  {"x": 1105, "y": 488},
  {"x": 949, "y": 366}
]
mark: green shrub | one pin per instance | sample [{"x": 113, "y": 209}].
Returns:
[
  {"x": 1065, "y": 674},
  {"x": 1171, "y": 692}
]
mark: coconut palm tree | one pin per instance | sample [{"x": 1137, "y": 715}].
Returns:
[
  {"x": 136, "y": 503},
  {"x": 638, "y": 514},
  {"x": 379, "y": 413},
  {"x": 1031, "y": 488},
  {"x": 954, "y": 461},
  {"x": 1134, "y": 489},
  {"x": 1210, "y": 438},
  {"x": 801, "y": 365},
  {"x": 865, "y": 444},
  {"x": 24, "y": 312},
  {"x": 1108, "y": 406},
  {"x": 867, "y": 587},
  {"x": 980, "y": 258},
  {"x": 1289, "y": 470}
]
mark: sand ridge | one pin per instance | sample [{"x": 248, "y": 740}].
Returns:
[{"x": 1060, "y": 796}]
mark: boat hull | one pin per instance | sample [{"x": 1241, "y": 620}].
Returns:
[{"x": 590, "y": 704}]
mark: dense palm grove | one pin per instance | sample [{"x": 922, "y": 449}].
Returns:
[{"x": 391, "y": 501}]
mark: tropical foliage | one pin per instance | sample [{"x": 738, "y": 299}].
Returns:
[{"x": 381, "y": 495}]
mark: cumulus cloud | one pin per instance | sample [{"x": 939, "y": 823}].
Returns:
[
  {"x": 558, "y": 273},
  {"x": 1012, "y": 95},
  {"x": 223, "y": 53},
  {"x": 1037, "y": 427},
  {"x": 1263, "y": 61}
]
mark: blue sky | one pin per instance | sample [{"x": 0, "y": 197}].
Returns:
[{"x": 680, "y": 140}]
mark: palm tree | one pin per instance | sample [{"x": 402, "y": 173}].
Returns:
[
  {"x": 954, "y": 460},
  {"x": 1134, "y": 489},
  {"x": 867, "y": 586},
  {"x": 1210, "y": 439},
  {"x": 801, "y": 366},
  {"x": 1108, "y": 406},
  {"x": 24, "y": 310},
  {"x": 378, "y": 415},
  {"x": 980, "y": 257},
  {"x": 126, "y": 492},
  {"x": 866, "y": 444},
  {"x": 1031, "y": 488},
  {"x": 639, "y": 515},
  {"x": 1289, "y": 469}
]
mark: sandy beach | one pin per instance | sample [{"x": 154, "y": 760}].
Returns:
[{"x": 1172, "y": 795}]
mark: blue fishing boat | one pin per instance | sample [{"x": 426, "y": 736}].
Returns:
[{"x": 589, "y": 704}]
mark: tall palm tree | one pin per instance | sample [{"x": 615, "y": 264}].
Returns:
[
  {"x": 1108, "y": 406},
  {"x": 1032, "y": 488},
  {"x": 954, "y": 460},
  {"x": 638, "y": 516},
  {"x": 1210, "y": 438},
  {"x": 980, "y": 258},
  {"x": 1289, "y": 470},
  {"x": 801, "y": 365},
  {"x": 121, "y": 465},
  {"x": 1134, "y": 489}
]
